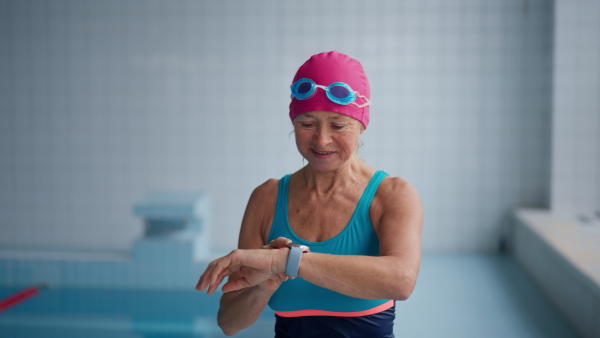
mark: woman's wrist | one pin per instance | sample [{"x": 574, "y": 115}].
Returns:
[
  {"x": 281, "y": 258},
  {"x": 279, "y": 264}
]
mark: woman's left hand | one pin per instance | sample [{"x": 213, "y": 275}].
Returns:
[{"x": 253, "y": 267}]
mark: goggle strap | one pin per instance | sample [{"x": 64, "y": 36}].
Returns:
[{"x": 368, "y": 102}]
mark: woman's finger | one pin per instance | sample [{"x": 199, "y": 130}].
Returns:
[
  {"x": 201, "y": 285},
  {"x": 226, "y": 272},
  {"x": 235, "y": 284},
  {"x": 211, "y": 278},
  {"x": 280, "y": 242}
]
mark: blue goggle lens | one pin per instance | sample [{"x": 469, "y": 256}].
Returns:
[
  {"x": 304, "y": 88},
  {"x": 339, "y": 92}
]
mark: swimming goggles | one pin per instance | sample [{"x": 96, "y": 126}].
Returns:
[{"x": 337, "y": 92}]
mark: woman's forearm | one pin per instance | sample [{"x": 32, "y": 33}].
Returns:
[
  {"x": 369, "y": 277},
  {"x": 364, "y": 277},
  {"x": 241, "y": 309}
]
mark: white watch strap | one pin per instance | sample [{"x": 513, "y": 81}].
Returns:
[{"x": 293, "y": 262}]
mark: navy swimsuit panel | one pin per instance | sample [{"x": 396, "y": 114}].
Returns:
[{"x": 379, "y": 325}]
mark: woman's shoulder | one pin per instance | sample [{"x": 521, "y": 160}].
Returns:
[
  {"x": 396, "y": 191},
  {"x": 395, "y": 183},
  {"x": 259, "y": 214},
  {"x": 396, "y": 200},
  {"x": 266, "y": 190}
]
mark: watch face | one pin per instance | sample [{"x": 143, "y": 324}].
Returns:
[{"x": 304, "y": 248}]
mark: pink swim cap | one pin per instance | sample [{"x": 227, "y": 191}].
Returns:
[{"x": 325, "y": 69}]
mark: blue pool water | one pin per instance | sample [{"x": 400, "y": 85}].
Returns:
[
  {"x": 460, "y": 295},
  {"x": 117, "y": 313}
]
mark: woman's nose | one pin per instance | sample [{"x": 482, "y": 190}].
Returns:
[{"x": 322, "y": 136}]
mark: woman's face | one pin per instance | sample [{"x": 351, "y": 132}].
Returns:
[{"x": 326, "y": 139}]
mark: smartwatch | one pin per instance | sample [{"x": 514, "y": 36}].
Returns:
[{"x": 293, "y": 262}]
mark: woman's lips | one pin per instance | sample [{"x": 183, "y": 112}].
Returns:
[{"x": 322, "y": 154}]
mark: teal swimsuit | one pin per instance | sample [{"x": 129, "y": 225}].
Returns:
[{"x": 298, "y": 299}]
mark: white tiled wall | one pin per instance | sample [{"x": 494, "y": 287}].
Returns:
[
  {"x": 103, "y": 101},
  {"x": 576, "y": 102}
]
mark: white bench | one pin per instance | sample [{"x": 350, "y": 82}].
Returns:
[{"x": 562, "y": 255}]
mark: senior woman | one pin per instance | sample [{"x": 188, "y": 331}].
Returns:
[{"x": 331, "y": 247}]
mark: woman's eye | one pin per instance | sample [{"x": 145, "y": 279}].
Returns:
[
  {"x": 337, "y": 127},
  {"x": 307, "y": 125}
]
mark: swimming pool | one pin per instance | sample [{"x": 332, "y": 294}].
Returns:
[
  {"x": 118, "y": 313},
  {"x": 457, "y": 295}
]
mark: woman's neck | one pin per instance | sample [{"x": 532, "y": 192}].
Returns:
[{"x": 327, "y": 182}]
